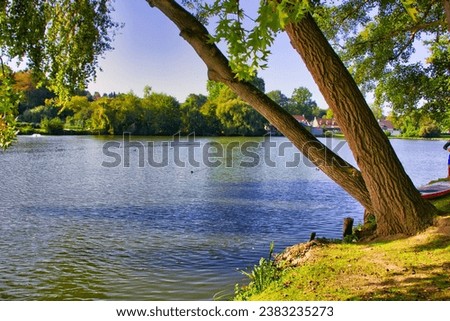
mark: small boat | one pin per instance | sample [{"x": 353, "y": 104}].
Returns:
[
  {"x": 36, "y": 135},
  {"x": 435, "y": 190}
]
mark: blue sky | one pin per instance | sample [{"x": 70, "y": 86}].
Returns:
[{"x": 149, "y": 51}]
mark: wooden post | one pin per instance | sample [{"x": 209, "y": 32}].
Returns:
[{"x": 348, "y": 226}]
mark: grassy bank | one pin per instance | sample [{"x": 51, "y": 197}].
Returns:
[{"x": 413, "y": 268}]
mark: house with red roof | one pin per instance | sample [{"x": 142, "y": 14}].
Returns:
[
  {"x": 302, "y": 120},
  {"x": 387, "y": 126}
]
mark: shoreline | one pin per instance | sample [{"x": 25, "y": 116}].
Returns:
[{"x": 395, "y": 268}]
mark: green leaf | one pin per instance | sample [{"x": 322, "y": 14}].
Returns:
[{"x": 410, "y": 7}]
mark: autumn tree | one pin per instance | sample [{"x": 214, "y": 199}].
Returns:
[{"x": 32, "y": 96}]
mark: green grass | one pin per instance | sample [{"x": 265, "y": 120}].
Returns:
[
  {"x": 443, "y": 204},
  {"x": 413, "y": 268}
]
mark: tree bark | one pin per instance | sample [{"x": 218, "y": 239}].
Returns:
[
  {"x": 331, "y": 164},
  {"x": 396, "y": 203},
  {"x": 447, "y": 12},
  {"x": 390, "y": 194}
]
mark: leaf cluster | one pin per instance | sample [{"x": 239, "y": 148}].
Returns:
[
  {"x": 9, "y": 100},
  {"x": 379, "y": 40},
  {"x": 249, "y": 39},
  {"x": 60, "y": 40}
]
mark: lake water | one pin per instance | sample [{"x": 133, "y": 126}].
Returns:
[{"x": 85, "y": 218}]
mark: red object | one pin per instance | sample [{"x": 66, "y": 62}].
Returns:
[{"x": 435, "y": 190}]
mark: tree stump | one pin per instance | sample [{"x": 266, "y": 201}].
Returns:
[{"x": 348, "y": 226}]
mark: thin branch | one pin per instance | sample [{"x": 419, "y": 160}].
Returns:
[
  {"x": 404, "y": 47},
  {"x": 352, "y": 12},
  {"x": 3, "y": 66},
  {"x": 415, "y": 29}
]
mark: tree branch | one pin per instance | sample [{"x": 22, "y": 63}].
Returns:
[
  {"x": 330, "y": 163},
  {"x": 447, "y": 12}
]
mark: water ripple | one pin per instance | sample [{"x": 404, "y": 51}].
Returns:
[{"x": 73, "y": 230}]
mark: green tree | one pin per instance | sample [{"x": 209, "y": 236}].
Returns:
[
  {"x": 279, "y": 98},
  {"x": 161, "y": 114},
  {"x": 37, "y": 114},
  {"x": 378, "y": 42},
  {"x": 124, "y": 113},
  {"x": 99, "y": 122},
  {"x": 213, "y": 125},
  {"x": 59, "y": 40},
  {"x": 398, "y": 209},
  {"x": 329, "y": 114},
  {"x": 236, "y": 116},
  {"x": 377, "y": 111},
  {"x": 9, "y": 101},
  {"x": 54, "y": 126},
  {"x": 192, "y": 119},
  {"x": 81, "y": 111},
  {"x": 301, "y": 103}
]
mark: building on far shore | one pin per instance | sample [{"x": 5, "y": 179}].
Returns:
[
  {"x": 318, "y": 126},
  {"x": 387, "y": 126},
  {"x": 326, "y": 125}
]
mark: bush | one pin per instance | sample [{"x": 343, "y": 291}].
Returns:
[
  {"x": 429, "y": 131},
  {"x": 38, "y": 114},
  {"x": 409, "y": 131},
  {"x": 54, "y": 126},
  {"x": 26, "y": 129},
  {"x": 260, "y": 277}
]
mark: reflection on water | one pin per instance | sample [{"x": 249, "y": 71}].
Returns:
[{"x": 73, "y": 229}]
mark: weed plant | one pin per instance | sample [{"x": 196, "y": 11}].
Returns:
[{"x": 261, "y": 276}]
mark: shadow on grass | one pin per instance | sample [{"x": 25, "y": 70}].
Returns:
[
  {"x": 424, "y": 279},
  {"x": 412, "y": 286},
  {"x": 437, "y": 243},
  {"x": 440, "y": 239}
]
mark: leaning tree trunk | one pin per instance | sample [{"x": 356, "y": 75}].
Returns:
[
  {"x": 447, "y": 12},
  {"x": 392, "y": 196},
  {"x": 219, "y": 70},
  {"x": 396, "y": 203}
]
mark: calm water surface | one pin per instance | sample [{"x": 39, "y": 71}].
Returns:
[{"x": 72, "y": 229}]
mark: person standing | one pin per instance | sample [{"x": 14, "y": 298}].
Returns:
[{"x": 447, "y": 147}]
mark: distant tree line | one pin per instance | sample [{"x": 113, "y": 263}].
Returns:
[{"x": 221, "y": 112}]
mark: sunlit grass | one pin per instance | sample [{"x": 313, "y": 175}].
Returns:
[{"x": 413, "y": 268}]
